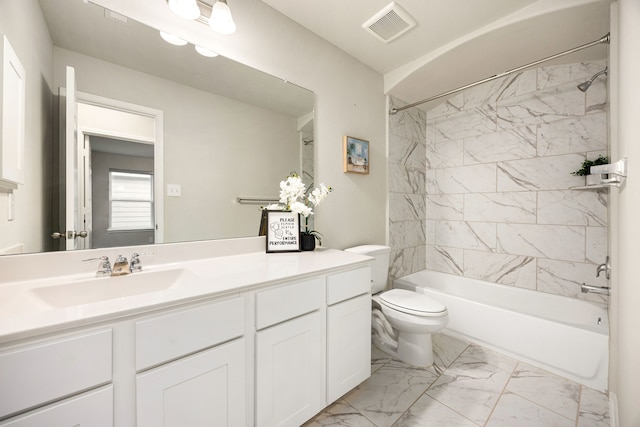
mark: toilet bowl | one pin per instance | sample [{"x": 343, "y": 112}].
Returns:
[{"x": 402, "y": 321}]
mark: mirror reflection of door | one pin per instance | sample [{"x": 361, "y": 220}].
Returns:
[{"x": 113, "y": 172}]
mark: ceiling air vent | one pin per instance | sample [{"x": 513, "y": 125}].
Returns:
[{"x": 390, "y": 23}]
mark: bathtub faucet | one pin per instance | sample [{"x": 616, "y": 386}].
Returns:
[{"x": 594, "y": 289}]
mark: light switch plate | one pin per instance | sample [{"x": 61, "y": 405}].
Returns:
[{"x": 174, "y": 190}]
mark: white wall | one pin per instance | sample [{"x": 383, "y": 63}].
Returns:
[
  {"x": 349, "y": 101},
  {"x": 214, "y": 147},
  {"x": 625, "y": 325},
  {"x": 23, "y": 24}
]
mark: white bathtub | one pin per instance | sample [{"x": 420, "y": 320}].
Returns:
[{"x": 566, "y": 336}]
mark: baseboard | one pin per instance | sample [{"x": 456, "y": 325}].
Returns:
[{"x": 613, "y": 410}]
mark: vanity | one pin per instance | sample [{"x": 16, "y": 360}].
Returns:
[{"x": 209, "y": 333}]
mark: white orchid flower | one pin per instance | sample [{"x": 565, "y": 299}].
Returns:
[{"x": 301, "y": 208}]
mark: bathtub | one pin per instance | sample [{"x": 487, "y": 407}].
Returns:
[{"x": 566, "y": 336}]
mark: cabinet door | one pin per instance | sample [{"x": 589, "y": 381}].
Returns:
[
  {"x": 92, "y": 409},
  {"x": 348, "y": 345},
  {"x": 290, "y": 372},
  {"x": 206, "y": 389}
]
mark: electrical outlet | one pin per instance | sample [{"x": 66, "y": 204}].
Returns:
[{"x": 174, "y": 190}]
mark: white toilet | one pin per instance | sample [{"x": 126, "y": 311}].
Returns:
[{"x": 402, "y": 320}]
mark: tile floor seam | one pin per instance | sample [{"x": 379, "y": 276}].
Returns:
[
  {"x": 420, "y": 397},
  {"x": 504, "y": 388},
  {"x": 579, "y": 406}
]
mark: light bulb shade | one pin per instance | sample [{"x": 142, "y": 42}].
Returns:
[
  {"x": 187, "y": 9},
  {"x": 170, "y": 38},
  {"x": 206, "y": 52},
  {"x": 221, "y": 20}
]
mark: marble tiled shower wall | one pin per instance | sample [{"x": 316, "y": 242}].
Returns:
[
  {"x": 498, "y": 204},
  {"x": 407, "y": 190}
]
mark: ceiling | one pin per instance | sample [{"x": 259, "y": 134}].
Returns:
[
  {"x": 92, "y": 30},
  {"x": 455, "y": 42}
]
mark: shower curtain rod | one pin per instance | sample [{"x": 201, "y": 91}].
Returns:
[{"x": 604, "y": 39}]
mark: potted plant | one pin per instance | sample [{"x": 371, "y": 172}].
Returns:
[
  {"x": 296, "y": 198},
  {"x": 585, "y": 170}
]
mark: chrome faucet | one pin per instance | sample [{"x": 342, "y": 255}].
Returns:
[
  {"x": 135, "y": 264},
  {"x": 104, "y": 268},
  {"x": 606, "y": 268}
]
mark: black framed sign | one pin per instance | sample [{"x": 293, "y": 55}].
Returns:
[{"x": 283, "y": 231}]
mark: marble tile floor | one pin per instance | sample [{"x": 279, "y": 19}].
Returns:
[{"x": 468, "y": 386}]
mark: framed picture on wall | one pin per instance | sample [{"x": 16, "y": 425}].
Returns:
[
  {"x": 355, "y": 155},
  {"x": 283, "y": 231}
]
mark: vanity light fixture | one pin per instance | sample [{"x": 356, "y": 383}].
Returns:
[
  {"x": 221, "y": 20},
  {"x": 186, "y": 9},
  {"x": 170, "y": 38},
  {"x": 206, "y": 52}
]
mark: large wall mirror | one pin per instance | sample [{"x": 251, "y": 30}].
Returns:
[{"x": 229, "y": 131}]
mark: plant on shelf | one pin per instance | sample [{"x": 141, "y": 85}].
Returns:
[
  {"x": 295, "y": 197},
  {"x": 585, "y": 169}
]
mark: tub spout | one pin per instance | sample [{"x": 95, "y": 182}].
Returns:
[{"x": 594, "y": 289}]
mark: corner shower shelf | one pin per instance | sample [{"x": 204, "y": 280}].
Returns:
[{"x": 611, "y": 175}]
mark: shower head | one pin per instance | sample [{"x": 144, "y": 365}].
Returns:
[{"x": 585, "y": 85}]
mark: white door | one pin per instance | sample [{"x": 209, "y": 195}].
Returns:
[
  {"x": 204, "y": 390},
  {"x": 290, "y": 386},
  {"x": 73, "y": 225}
]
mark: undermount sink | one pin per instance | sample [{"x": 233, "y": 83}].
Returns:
[{"x": 107, "y": 288}]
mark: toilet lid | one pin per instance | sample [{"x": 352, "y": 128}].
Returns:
[{"x": 412, "y": 303}]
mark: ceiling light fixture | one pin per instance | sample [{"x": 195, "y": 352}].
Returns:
[
  {"x": 206, "y": 52},
  {"x": 221, "y": 20},
  {"x": 187, "y": 9},
  {"x": 170, "y": 38}
]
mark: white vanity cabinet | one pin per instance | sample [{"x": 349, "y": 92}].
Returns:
[
  {"x": 204, "y": 381},
  {"x": 228, "y": 351},
  {"x": 348, "y": 331},
  {"x": 290, "y": 349}
]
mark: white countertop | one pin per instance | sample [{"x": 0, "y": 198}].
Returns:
[{"x": 24, "y": 314}]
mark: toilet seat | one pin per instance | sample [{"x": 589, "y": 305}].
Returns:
[{"x": 412, "y": 303}]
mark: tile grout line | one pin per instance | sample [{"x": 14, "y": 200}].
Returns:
[
  {"x": 540, "y": 404},
  {"x": 432, "y": 383},
  {"x": 501, "y": 393}
]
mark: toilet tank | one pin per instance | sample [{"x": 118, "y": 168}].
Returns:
[{"x": 380, "y": 265}]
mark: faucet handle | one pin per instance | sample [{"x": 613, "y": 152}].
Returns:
[
  {"x": 135, "y": 264},
  {"x": 104, "y": 268}
]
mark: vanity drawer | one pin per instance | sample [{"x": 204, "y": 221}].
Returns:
[
  {"x": 41, "y": 373},
  {"x": 288, "y": 301},
  {"x": 178, "y": 333},
  {"x": 348, "y": 284},
  {"x": 94, "y": 408}
]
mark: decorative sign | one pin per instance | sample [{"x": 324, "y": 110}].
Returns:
[{"x": 283, "y": 231}]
